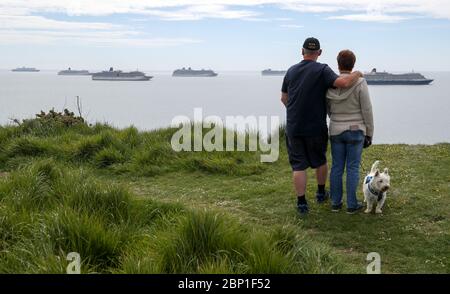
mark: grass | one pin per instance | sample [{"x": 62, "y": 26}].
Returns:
[
  {"x": 128, "y": 203},
  {"x": 48, "y": 211}
]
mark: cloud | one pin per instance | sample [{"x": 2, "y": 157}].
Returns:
[
  {"x": 95, "y": 38},
  {"x": 283, "y": 19},
  {"x": 39, "y": 22},
  {"x": 367, "y": 17},
  {"x": 228, "y": 9},
  {"x": 301, "y": 7},
  {"x": 18, "y": 26},
  {"x": 199, "y": 12},
  {"x": 28, "y": 21},
  {"x": 292, "y": 26},
  {"x": 29, "y": 29}
]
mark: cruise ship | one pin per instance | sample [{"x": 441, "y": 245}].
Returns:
[
  {"x": 270, "y": 72},
  {"x": 118, "y": 75},
  {"x": 25, "y": 69},
  {"x": 385, "y": 78},
  {"x": 189, "y": 72},
  {"x": 72, "y": 72}
]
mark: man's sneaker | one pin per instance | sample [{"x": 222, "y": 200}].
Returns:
[
  {"x": 336, "y": 208},
  {"x": 322, "y": 197},
  {"x": 302, "y": 209},
  {"x": 356, "y": 209}
]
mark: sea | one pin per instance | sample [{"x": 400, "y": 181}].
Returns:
[{"x": 402, "y": 114}]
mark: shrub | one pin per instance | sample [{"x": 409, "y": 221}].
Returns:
[{"x": 51, "y": 123}]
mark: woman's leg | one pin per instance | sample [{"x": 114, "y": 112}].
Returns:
[
  {"x": 354, "y": 150},
  {"x": 338, "y": 151}
]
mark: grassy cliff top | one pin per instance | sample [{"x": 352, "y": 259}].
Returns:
[{"x": 128, "y": 203}]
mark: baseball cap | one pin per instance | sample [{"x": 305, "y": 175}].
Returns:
[{"x": 311, "y": 44}]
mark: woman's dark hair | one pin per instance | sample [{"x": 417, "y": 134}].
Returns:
[{"x": 346, "y": 60}]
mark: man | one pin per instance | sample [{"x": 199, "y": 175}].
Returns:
[{"x": 304, "y": 95}]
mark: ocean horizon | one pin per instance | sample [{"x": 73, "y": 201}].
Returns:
[{"x": 403, "y": 114}]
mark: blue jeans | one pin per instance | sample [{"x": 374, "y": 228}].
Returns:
[{"x": 346, "y": 149}]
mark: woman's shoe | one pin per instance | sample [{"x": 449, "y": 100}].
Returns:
[
  {"x": 336, "y": 208},
  {"x": 358, "y": 208}
]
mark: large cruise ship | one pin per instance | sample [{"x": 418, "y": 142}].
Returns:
[
  {"x": 72, "y": 72},
  {"x": 118, "y": 75},
  {"x": 25, "y": 69},
  {"x": 189, "y": 72},
  {"x": 270, "y": 72},
  {"x": 385, "y": 78}
]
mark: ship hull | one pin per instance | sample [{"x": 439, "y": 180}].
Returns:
[
  {"x": 74, "y": 74},
  {"x": 18, "y": 70},
  {"x": 399, "y": 82},
  {"x": 123, "y": 79},
  {"x": 194, "y": 75},
  {"x": 274, "y": 74}
]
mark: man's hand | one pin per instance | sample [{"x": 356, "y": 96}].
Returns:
[
  {"x": 347, "y": 81},
  {"x": 284, "y": 98},
  {"x": 367, "y": 142}
]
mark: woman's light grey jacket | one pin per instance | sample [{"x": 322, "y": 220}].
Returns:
[{"x": 350, "y": 109}]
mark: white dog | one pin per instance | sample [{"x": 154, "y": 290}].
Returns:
[{"x": 374, "y": 187}]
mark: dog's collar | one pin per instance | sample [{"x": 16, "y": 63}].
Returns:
[{"x": 371, "y": 190}]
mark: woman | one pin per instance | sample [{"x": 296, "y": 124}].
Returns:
[{"x": 351, "y": 129}]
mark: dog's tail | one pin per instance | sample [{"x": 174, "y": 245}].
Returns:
[{"x": 375, "y": 166}]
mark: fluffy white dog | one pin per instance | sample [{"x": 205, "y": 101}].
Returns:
[{"x": 374, "y": 187}]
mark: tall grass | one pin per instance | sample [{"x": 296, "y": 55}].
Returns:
[
  {"x": 120, "y": 151},
  {"x": 48, "y": 210},
  {"x": 206, "y": 242},
  {"x": 52, "y": 202}
]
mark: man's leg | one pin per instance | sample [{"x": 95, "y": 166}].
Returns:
[
  {"x": 317, "y": 152},
  {"x": 299, "y": 164},
  {"x": 299, "y": 178},
  {"x": 322, "y": 174}
]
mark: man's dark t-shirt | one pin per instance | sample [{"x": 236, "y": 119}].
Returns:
[{"x": 306, "y": 84}]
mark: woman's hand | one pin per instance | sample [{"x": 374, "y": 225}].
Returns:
[{"x": 367, "y": 141}]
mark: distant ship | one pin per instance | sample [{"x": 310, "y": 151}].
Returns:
[
  {"x": 25, "y": 69},
  {"x": 72, "y": 72},
  {"x": 118, "y": 75},
  {"x": 270, "y": 72},
  {"x": 384, "y": 78},
  {"x": 193, "y": 73}
]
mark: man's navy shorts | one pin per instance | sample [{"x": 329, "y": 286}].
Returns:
[{"x": 305, "y": 152}]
